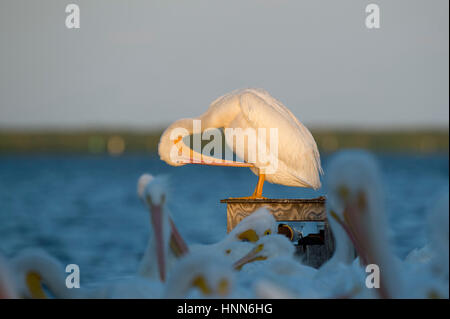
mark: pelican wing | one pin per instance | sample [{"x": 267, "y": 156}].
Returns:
[{"x": 296, "y": 146}]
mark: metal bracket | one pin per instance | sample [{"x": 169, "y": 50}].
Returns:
[{"x": 303, "y": 232}]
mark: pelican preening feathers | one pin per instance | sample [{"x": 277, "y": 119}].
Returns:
[{"x": 289, "y": 157}]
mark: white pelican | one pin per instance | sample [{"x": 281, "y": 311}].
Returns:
[
  {"x": 243, "y": 237},
  {"x": 35, "y": 269},
  {"x": 297, "y": 155},
  {"x": 355, "y": 192},
  {"x": 165, "y": 242},
  {"x": 254, "y": 226},
  {"x": 357, "y": 199},
  {"x": 273, "y": 261},
  {"x": 153, "y": 190},
  {"x": 201, "y": 274},
  {"x": 266, "y": 249},
  {"x": 340, "y": 276}
]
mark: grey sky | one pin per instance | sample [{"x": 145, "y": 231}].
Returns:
[{"x": 143, "y": 64}]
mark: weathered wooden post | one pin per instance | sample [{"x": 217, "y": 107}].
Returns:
[{"x": 304, "y": 221}]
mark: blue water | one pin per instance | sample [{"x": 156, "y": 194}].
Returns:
[{"x": 84, "y": 209}]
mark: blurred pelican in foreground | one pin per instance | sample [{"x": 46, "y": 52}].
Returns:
[
  {"x": 244, "y": 236},
  {"x": 356, "y": 198},
  {"x": 34, "y": 269},
  {"x": 297, "y": 156},
  {"x": 201, "y": 275},
  {"x": 165, "y": 242},
  {"x": 272, "y": 264}
]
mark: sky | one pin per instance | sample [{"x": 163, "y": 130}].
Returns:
[{"x": 142, "y": 64}]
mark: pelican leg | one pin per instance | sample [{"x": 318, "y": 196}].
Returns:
[
  {"x": 259, "y": 187},
  {"x": 257, "y": 193}
]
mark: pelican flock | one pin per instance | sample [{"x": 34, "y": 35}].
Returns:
[{"x": 253, "y": 260}]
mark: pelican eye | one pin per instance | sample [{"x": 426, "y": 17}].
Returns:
[
  {"x": 267, "y": 232},
  {"x": 200, "y": 283},
  {"x": 224, "y": 287},
  {"x": 249, "y": 235},
  {"x": 228, "y": 251}
]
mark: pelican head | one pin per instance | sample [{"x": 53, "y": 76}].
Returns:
[
  {"x": 254, "y": 227},
  {"x": 356, "y": 202},
  {"x": 153, "y": 192},
  {"x": 267, "y": 247},
  {"x": 355, "y": 197},
  {"x": 33, "y": 269},
  {"x": 208, "y": 274},
  {"x": 171, "y": 146},
  {"x": 143, "y": 181}
]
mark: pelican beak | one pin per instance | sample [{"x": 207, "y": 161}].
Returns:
[
  {"x": 177, "y": 243},
  {"x": 250, "y": 257},
  {"x": 355, "y": 215},
  {"x": 249, "y": 235},
  {"x": 200, "y": 283},
  {"x": 223, "y": 288},
  {"x": 156, "y": 219},
  {"x": 352, "y": 224},
  {"x": 33, "y": 281}
]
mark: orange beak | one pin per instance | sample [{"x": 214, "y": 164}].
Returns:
[
  {"x": 177, "y": 242},
  {"x": 215, "y": 162},
  {"x": 351, "y": 226},
  {"x": 250, "y": 257}
]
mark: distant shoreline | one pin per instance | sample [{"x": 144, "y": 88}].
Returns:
[{"x": 120, "y": 141}]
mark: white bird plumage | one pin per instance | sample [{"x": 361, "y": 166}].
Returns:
[
  {"x": 268, "y": 267},
  {"x": 243, "y": 237},
  {"x": 165, "y": 244},
  {"x": 297, "y": 154}
]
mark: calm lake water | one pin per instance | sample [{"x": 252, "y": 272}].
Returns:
[{"x": 85, "y": 210}]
